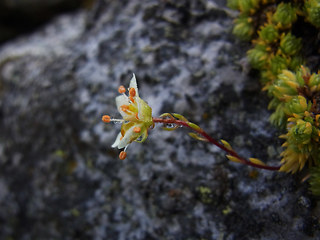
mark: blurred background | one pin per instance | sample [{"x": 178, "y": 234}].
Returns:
[
  {"x": 22, "y": 16},
  {"x": 61, "y": 63}
]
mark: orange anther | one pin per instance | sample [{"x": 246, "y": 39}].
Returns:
[
  {"x": 106, "y": 118},
  {"x": 124, "y": 108},
  {"x": 122, "y": 155},
  {"x": 137, "y": 116},
  {"x": 137, "y": 129},
  {"x": 121, "y": 89},
  {"x": 132, "y": 92},
  {"x": 131, "y": 99}
]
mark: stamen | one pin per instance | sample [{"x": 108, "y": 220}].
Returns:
[
  {"x": 127, "y": 109},
  {"x": 137, "y": 116},
  {"x": 122, "y": 155},
  {"x": 124, "y": 108},
  {"x": 117, "y": 120},
  {"x": 106, "y": 118},
  {"x": 137, "y": 129},
  {"x": 121, "y": 89},
  {"x": 132, "y": 92}
]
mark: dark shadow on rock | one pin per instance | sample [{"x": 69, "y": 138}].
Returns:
[{"x": 21, "y": 17}]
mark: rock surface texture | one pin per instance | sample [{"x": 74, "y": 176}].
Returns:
[{"x": 59, "y": 176}]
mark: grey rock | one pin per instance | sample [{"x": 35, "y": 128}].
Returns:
[{"x": 59, "y": 176}]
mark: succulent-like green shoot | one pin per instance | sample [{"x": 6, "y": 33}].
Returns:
[
  {"x": 312, "y": 9},
  {"x": 285, "y": 15}
]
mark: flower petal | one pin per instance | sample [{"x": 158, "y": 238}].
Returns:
[
  {"x": 129, "y": 137},
  {"x": 116, "y": 143},
  {"x": 120, "y": 101},
  {"x": 133, "y": 84}
]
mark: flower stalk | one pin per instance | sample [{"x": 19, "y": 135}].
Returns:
[
  {"x": 232, "y": 155},
  {"x": 137, "y": 120}
]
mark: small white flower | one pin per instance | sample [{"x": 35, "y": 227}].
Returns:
[{"x": 136, "y": 114}]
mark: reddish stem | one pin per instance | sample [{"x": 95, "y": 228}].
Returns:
[{"x": 215, "y": 142}]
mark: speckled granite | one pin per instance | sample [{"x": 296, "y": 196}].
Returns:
[{"x": 59, "y": 176}]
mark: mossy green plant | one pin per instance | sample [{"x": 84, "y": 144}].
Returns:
[
  {"x": 294, "y": 91},
  {"x": 285, "y": 15},
  {"x": 243, "y": 28},
  {"x": 296, "y": 95},
  {"x": 312, "y": 12}
]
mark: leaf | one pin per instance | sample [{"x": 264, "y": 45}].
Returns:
[
  {"x": 226, "y": 144},
  {"x": 193, "y": 126},
  {"x": 196, "y": 136},
  {"x": 234, "y": 159},
  {"x": 180, "y": 117},
  {"x": 166, "y": 115},
  {"x": 257, "y": 161}
]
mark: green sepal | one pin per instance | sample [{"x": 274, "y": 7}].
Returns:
[{"x": 144, "y": 136}]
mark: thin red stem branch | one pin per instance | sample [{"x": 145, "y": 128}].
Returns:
[{"x": 215, "y": 142}]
